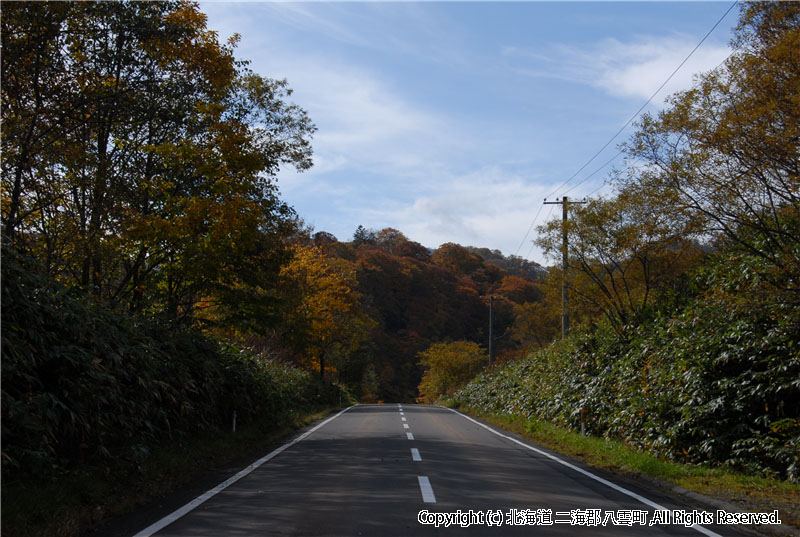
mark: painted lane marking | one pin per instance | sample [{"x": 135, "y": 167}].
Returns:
[
  {"x": 410, "y": 436},
  {"x": 654, "y": 505},
  {"x": 403, "y": 419},
  {"x": 415, "y": 456},
  {"x": 178, "y": 513},
  {"x": 426, "y": 489},
  {"x": 405, "y": 426}
]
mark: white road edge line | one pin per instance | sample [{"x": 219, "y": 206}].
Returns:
[
  {"x": 427, "y": 491},
  {"x": 696, "y": 527},
  {"x": 178, "y": 513},
  {"x": 415, "y": 456}
]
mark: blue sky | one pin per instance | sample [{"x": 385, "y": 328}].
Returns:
[{"x": 451, "y": 121}]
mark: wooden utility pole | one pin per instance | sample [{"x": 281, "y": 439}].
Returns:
[
  {"x": 491, "y": 335},
  {"x": 564, "y": 262}
]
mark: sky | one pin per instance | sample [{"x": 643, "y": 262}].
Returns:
[{"x": 453, "y": 121}]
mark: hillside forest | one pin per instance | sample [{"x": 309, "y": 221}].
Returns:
[{"x": 154, "y": 282}]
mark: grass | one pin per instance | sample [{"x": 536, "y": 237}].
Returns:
[
  {"x": 72, "y": 505},
  {"x": 748, "y": 492}
]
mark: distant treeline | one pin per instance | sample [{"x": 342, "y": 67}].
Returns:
[{"x": 417, "y": 298}]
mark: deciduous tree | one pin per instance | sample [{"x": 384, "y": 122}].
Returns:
[
  {"x": 326, "y": 322},
  {"x": 448, "y": 366},
  {"x": 725, "y": 153},
  {"x": 138, "y": 156}
]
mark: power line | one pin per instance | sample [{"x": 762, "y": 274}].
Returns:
[
  {"x": 609, "y": 161},
  {"x": 545, "y": 219},
  {"x": 639, "y": 111},
  {"x": 627, "y": 123},
  {"x": 529, "y": 229},
  {"x": 637, "y": 161}
]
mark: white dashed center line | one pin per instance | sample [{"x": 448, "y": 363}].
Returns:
[
  {"x": 426, "y": 489},
  {"x": 410, "y": 436},
  {"x": 415, "y": 456}
]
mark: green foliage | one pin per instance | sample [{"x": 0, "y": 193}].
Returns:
[
  {"x": 449, "y": 366},
  {"x": 698, "y": 358},
  {"x": 714, "y": 381},
  {"x": 86, "y": 387}
]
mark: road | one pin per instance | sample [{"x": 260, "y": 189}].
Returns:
[{"x": 371, "y": 469}]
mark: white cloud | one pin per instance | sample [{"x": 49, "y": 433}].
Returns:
[
  {"x": 487, "y": 207},
  {"x": 365, "y": 128},
  {"x": 632, "y": 69}
]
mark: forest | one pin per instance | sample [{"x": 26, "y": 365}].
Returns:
[{"x": 154, "y": 283}]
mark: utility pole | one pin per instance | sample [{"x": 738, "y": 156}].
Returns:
[
  {"x": 491, "y": 336},
  {"x": 564, "y": 261}
]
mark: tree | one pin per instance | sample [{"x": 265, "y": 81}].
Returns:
[
  {"x": 389, "y": 239},
  {"x": 138, "y": 156},
  {"x": 519, "y": 289},
  {"x": 326, "y": 322},
  {"x": 725, "y": 153},
  {"x": 448, "y": 366},
  {"x": 623, "y": 253},
  {"x": 457, "y": 259},
  {"x": 364, "y": 236}
]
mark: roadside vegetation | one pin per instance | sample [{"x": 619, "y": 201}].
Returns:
[
  {"x": 684, "y": 292},
  {"x": 97, "y": 403}
]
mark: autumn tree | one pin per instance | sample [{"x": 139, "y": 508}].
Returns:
[
  {"x": 138, "y": 156},
  {"x": 725, "y": 154},
  {"x": 519, "y": 289},
  {"x": 389, "y": 239},
  {"x": 512, "y": 264},
  {"x": 448, "y": 366},
  {"x": 623, "y": 253},
  {"x": 457, "y": 259},
  {"x": 325, "y": 323}
]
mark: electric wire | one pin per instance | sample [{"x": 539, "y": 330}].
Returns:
[
  {"x": 533, "y": 222},
  {"x": 579, "y": 183},
  {"x": 637, "y": 161},
  {"x": 549, "y": 213},
  {"x": 627, "y": 123},
  {"x": 639, "y": 111}
]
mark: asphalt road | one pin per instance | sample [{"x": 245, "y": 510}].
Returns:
[{"x": 372, "y": 469}]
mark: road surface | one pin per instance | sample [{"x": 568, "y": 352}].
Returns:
[{"x": 385, "y": 470}]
